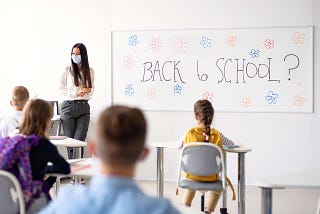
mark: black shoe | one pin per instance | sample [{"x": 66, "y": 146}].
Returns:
[{"x": 223, "y": 211}]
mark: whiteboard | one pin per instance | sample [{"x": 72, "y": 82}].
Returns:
[{"x": 238, "y": 70}]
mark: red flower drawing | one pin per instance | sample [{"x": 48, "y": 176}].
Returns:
[
  {"x": 207, "y": 96},
  {"x": 269, "y": 43},
  {"x": 246, "y": 102}
]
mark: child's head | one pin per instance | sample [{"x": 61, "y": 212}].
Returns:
[
  {"x": 19, "y": 97},
  {"x": 36, "y": 118},
  {"x": 121, "y": 136},
  {"x": 204, "y": 113}
]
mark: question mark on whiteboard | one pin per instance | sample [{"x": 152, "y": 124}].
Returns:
[{"x": 293, "y": 68}]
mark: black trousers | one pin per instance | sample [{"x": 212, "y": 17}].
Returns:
[{"x": 75, "y": 118}]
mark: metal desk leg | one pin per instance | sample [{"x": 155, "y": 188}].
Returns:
[
  {"x": 59, "y": 128},
  {"x": 266, "y": 203},
  {"x": 160, "y": 171},
  {"x": 225, "y": 197},
  {"x": 78, "y": 153},
  {"x": 241, "y": 183},
  {"x": 57, "y": 186}
]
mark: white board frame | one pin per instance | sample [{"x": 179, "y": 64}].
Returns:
[{"x": 310, "y": 110}]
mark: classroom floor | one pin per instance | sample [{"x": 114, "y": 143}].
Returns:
[{"x": 288, "y": 201}]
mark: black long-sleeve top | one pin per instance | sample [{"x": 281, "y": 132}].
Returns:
[{"x": 44, "y": 153}]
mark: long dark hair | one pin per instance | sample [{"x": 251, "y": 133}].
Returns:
[
  {"x": 83, "y": 78},
  {"x": 204, "y": 112}
]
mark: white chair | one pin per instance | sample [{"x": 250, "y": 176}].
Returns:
[
  {"x": 11, "y": 195},
  {"x": 202, "y": 159}
]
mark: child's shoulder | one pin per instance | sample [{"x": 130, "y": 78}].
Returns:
[{"x": 201, "y": 130}]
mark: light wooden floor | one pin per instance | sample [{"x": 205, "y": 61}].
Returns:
[{"x": 288, "y": 201}]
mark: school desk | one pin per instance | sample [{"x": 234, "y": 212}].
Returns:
[
  {"x": 79, "y": 168},
  {"x": 241, "y": 151},
  {"x": 306, "y": 179},
  {"x": 69, "y": 142}
]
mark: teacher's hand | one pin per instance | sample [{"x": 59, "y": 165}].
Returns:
[
  {"x": 83, "y": 91},
  {"x": 86, "y": 90},
  {"x": 80, "y": 94}
]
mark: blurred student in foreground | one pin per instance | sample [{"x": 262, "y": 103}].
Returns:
[{"x": 120, "y": 144}]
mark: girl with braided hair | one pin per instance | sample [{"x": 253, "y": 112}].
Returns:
[{"x": 204, "y": 113}]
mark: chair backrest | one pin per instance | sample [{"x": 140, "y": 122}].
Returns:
[
  {"x": 11, "y": 196},
  {"x": 202, "y": 159}
]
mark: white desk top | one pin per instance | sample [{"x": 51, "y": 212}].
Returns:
[
  {"x": 306, "y": 179},
  {"x": 240, "y": 149},
  {"x": 69, "y": 142},
  {"x": 167, "y": 144},
  {"x": 81, "y": 167},
  {"x": 55, "y": 118}
]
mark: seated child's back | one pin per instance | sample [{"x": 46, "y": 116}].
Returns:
[{"x": 120, "y": 144}]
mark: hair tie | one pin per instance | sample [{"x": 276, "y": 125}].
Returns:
[{"x": 207, "y": 136}]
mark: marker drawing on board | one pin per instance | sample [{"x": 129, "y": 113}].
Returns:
[
  {"x": 128, "y": 62},
  {"x": 294, "y": 67},
  {"x": 299, "y": 100},
  {"x": 152, "y": 93},
  {"x": 207, "y": 96},
  {"x": 162, "y": 71},
  {"x": 129, "y": 90},
  {"x": 205, "y": 42},
  {"x": 155, "y": 44},
  {"x": 182, "y": 46},
  {"x": 202, "y": 77},
  {"x": 246, "y": 102},
  {"x": 269, "y": 43},
  {"x": 133, "y": 40},
  {"x": 271, "y": 97},
  {"x": 254, "y": 53},
  {"x": 177, "y": 89},
  {"x": 231, "y": 40},
  {"x": 298, "y": 38}
]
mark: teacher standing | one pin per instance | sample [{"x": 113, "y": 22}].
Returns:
[{"x": 76, "y": 87}]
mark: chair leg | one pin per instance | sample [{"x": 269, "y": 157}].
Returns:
[{"x": 202, "y": 203}]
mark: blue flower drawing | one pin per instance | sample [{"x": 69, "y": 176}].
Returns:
[
  {"x": 133, "y": 40},
  {"x": 177, "y": 89},
  {"x": 129, "y": 91},
  {"x": 205, "y": 42},
  {"x": 272, "y": 97},
  {"x": 254, "y": 53}
]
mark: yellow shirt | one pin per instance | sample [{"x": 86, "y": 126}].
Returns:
[{"x": 196, "y": 135}]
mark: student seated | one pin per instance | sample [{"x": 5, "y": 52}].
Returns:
[
  {"x": 19, "y": 97},
  {"x": 204, "y": 113},
  {"x": 120, "y": 144},
  {"x": 27, "y": 155}
]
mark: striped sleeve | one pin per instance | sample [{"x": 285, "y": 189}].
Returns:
[{"x": 226, "y": 141}]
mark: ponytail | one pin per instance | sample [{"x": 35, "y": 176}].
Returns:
[
  {"x": 204, "y": 112},
  {"x": 206, "y": 132}
]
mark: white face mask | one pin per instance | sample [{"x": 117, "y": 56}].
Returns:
[{"x": 76, "y": 58}]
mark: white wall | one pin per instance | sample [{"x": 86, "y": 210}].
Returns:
[
  {"x": 281, "y": 143},
  {"x": 36, "y": 37}
]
